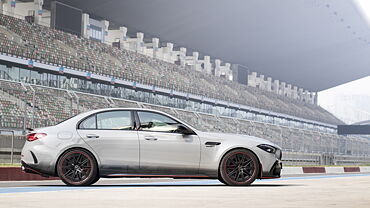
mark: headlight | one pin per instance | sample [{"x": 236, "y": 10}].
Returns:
[{"x": 267, "y": 148}]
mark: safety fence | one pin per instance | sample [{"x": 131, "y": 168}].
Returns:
[{"x": 11, "y": 144}]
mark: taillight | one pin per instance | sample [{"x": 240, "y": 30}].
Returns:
[{"x": 35, "y": 136}]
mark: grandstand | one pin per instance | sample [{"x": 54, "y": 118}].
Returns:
[
  {"x": 46, "y": 45},
  {"x": 45, "y": 91}
]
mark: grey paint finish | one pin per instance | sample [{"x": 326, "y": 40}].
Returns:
[{"x": 141, "y": 152}]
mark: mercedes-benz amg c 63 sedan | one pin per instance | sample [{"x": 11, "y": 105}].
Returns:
[{"x": 130, "y": 142}]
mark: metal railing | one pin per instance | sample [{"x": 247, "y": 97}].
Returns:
[{"x": 9, "y": 146}]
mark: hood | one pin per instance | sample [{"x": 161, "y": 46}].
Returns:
[{"x": 235, "y": 137}]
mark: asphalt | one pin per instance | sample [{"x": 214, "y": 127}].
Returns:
[{"x": 345, "y": 190}]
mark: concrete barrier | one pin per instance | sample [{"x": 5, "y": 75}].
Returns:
[
  {"x": 334, "y": 169},
  {"x": 351, "y": 169},
  {"x": 16, "y": 174},
  {"x": 292, "y": 171},
  {"x": 314, "y": 170},
  {"x": 365, "y": 169},
  {"x": 325, "y": 170}
]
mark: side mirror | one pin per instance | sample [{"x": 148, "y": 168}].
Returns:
[{"x": 181, "y": 129}]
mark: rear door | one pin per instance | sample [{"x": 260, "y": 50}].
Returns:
[{"x": 112, "y": 136}]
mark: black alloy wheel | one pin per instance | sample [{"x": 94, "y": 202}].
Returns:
[
  {"x": 77, "y": 167},
  {"x": 239, "y": 168}
]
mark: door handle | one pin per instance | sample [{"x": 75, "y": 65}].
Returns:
[
  {"x": 92, "y": 136},
  {"x": 151, "y": 138}
]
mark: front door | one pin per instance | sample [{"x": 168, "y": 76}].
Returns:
[{"x": 162, "y": 150}]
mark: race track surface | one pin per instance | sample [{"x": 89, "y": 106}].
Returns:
[{"x": 349, "y": 190}]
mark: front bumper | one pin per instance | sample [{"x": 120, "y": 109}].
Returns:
[{"x": 274, "y": 172}]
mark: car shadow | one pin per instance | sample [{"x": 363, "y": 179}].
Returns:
[{"x": 171, "y": 185}]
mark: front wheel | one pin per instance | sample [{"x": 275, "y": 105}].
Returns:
[
  {"x": 239, "y": 168},
  {"x": 77, "y": 167}
]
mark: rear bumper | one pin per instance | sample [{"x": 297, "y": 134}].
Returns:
[
  {"x": 274, "y": 172},
  {"x": 33, "y": 169}
]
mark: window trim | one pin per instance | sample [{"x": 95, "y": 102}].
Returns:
[
  {"x": 139, "y": 123},
  {"x": 96, "y": 121},
  {"x": 84, "y": 119}
]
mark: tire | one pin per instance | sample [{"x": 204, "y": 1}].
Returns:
[
  {"x": 77, "y": 167},
  {"x": 239, "y": 167},
  {"x": 95, "y": 180},
  {"x": 220, "y": 178}
]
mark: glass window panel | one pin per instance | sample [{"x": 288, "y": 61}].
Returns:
[
  {"x": 89, "y": 123},
  {"x": 114, "y": 120},
  {"x": 156, "y": 122}
]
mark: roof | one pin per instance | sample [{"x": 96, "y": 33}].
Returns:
[{"x": 312, "y": 44}]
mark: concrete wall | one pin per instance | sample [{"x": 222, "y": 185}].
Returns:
[{"x": 281, "y": 88}]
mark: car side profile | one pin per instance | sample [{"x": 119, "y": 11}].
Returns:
[{"x": 136, "y": 142}]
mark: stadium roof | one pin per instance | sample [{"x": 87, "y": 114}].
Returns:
[{"x": 314, "y": 44}]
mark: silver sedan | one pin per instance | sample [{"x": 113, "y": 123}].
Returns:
[{"x": 131, "y": 142}]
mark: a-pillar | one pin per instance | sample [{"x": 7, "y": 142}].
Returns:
[
  {"x": 85, "y": 25},
  {"x": 38, "y": 10}
]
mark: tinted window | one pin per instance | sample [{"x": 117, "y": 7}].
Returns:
[
  {"x": 150, "y": 121},
  {"x": 117, "y": 120},
  {"x": 89, "y": 123}
]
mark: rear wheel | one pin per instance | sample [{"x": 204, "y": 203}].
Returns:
[
  {"x": 77, "y": 167},
  {"x": 239, "y": 168}
]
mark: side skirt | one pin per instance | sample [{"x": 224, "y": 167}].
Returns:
[{"x": 156, "y": 176}]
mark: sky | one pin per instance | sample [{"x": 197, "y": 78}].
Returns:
[{"x": 350, "y": 102}]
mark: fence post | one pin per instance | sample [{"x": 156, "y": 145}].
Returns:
[{"x": 12, "y": 148}]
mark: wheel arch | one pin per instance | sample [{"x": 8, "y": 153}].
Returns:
[
  {"x": 236, "y": 148},
  {"x": 75, "y": 148}
]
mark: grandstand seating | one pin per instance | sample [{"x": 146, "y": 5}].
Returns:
[
  {"x": 55, "y": 47},
  {"x": 53, "y": 105}
]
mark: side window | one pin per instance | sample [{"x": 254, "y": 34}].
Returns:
[
  {"x": 88, "y": 123},
  {"x": 150, "y": 121},
  {"x": 115, "y": 120}
]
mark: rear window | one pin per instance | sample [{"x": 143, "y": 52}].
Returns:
[
  {"x": 88, "y": 123},
  {"x": 111, "y": 120}
]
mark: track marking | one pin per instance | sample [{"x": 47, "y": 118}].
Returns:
[{"x": 128, "y": 185}]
